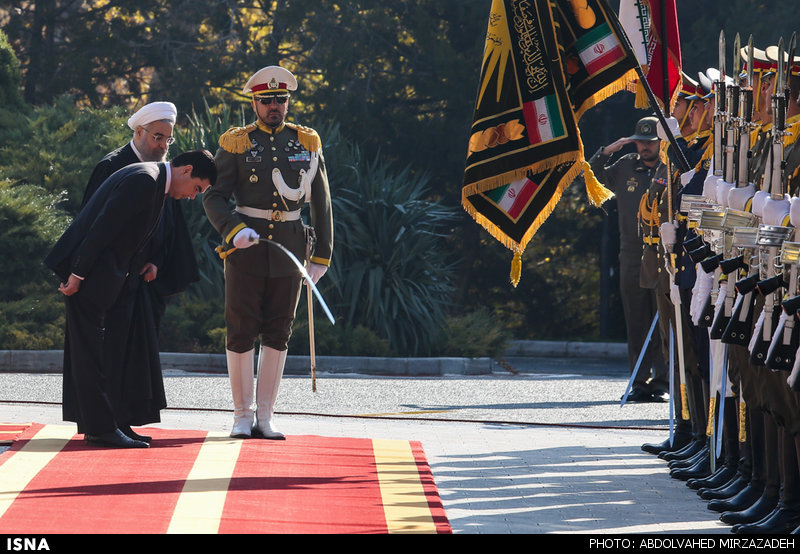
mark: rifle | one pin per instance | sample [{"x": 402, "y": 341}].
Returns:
[
  {"x": 730, "y": 267},
  {"x": 783, "y": 347},
  {"x": 772, "y": 236},
  {"x": 740, "y": 324}
]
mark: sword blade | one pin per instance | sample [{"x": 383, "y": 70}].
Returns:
[{"x": 305, "y": 275}]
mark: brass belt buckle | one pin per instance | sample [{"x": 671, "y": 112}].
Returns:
[{"x": 277, "y": 215}]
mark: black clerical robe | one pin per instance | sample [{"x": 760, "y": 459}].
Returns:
[
  {"x": 105, "y": 245},
  {"x": 131, "y": 343}
]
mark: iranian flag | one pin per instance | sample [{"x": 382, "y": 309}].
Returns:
[
  {"x": 543, "y": 119},
  {"x": 599, "y": 49},
  {"x": 514, "y": 197}
]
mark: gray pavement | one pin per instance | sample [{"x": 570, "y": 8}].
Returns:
[{"x": 539, "y": 445}]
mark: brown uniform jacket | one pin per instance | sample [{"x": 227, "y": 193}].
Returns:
[{"x": 245, "y": 164}]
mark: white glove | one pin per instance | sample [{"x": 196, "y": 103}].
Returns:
[
  {"x": 674, "y": 294},
  {"x": 710, "y": 186},
  {"x": 723, "y": 188},
  {"x": 759, "y": 198},
  {"x": 245, "y": 238},
  {"x": 699, "y": 297},
  {"x": 316, "y": 271},
  {"x": 794, "y": 211},
  {"x": 775, "y": 211},
  {"x": 686, "y": 177},
  {"x": 738, "y": 197},
  {"x": 674, "y": 129},
  {"x": 668, "y": 234}
]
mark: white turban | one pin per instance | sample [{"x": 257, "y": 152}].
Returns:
[{"x": 155, "y": 111}]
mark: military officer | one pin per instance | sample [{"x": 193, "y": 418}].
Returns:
[
  {"x": 629, "y": 177},
  {"x": 270, "y": 168}
]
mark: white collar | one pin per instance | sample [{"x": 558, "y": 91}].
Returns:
[{"x": 169, "y": 176}]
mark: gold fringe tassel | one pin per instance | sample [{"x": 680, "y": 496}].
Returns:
[
  {"x": 236, "y": 140},
  {"x": 516, "y": 268},
  {"x": 595, "y": 190},
  {"x": 609, "y": 90}
]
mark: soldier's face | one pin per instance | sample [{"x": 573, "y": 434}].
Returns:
[
  {"x": 270, "y": 111},
  {"x": 648, "y": 149}
]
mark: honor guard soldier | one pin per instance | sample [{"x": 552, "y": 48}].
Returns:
[
  {"x": 270, "y": 169},
  {"x": 629, "y": 177}
]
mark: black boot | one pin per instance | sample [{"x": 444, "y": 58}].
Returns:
[
  {"x": 779, "y": 522},
  {"x": 741, "y": 501},
  {"x": 700, "y": 470},
  {"x": 722, "y": 476},
  {"x": 689, "y": 462},
  {"x": 729, "y": 490},
  {"x": 759, "y": 510},
  {"x": 692, "y": 448},
  {"x": 679, "y": 441}
]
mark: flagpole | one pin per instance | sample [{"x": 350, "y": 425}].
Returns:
[{"x": 626, "y": 45}]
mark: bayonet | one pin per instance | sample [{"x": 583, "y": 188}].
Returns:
[
  {"x": 778, "y": 125},
  {"x": 732, "y": 117},
  {"x": 719, "y": 108},
  {"x": 745, "y": 119}
]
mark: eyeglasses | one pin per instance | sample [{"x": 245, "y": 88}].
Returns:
[
  {"x": 159, "y": 137},
  {"x": 267, "y": 100}
]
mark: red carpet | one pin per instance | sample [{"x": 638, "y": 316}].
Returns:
[
  {"x": 9, "y": 432},
  {"x": 195, "y": 482}
]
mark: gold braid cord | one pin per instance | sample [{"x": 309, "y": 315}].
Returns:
[{"x": 649, "y": 218}]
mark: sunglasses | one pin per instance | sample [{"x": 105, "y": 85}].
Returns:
[{"x": 267, "y": 100}]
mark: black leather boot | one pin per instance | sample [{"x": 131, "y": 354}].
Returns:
[
  {"x": 728, "y": 490},
  {"x": 741, "y": 501},
  {"x": 720, "y": 477},
  {"x": 780, "y": 521},
  {"x": 759, "y": 510}
]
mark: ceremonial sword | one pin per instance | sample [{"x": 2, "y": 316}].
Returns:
[{"x": 303, "y": 272}]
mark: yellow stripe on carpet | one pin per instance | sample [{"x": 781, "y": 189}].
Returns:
[
  {"x": 199, "y": 507},
  {"x": 22, "y": 467},
  {"x": 404, "y": 502}
]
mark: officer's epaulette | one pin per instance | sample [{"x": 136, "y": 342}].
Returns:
[
  {"x": 307, "y": 136},
  {"x": 236, "y": 140}
]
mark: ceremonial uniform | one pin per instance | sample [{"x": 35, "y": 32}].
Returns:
[
  {"x": 629, "y": 179},
  {"x": 270, "y": 172}
]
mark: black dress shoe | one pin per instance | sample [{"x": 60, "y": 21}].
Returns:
[
  {"x": 780, "y": 522},
  {"x": 130, "y": 433},
  {"x": 741, "y": 501},
  {"x": 686, "y": 452},
  {"x": 729, "y": 490},
  {"x": 114, "y": 439},
  {"x": 720, "y": 477},
  {"x": 700, "y": 470},
  {"x": 678, "y": 442},
  {"x": 758, "y": 511},
  {"x": 639, "y": 395}
]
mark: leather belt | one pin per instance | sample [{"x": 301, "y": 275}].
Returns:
[
  {"x": 270, "y": 215},
  {"x": 651, "y": 240}
]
